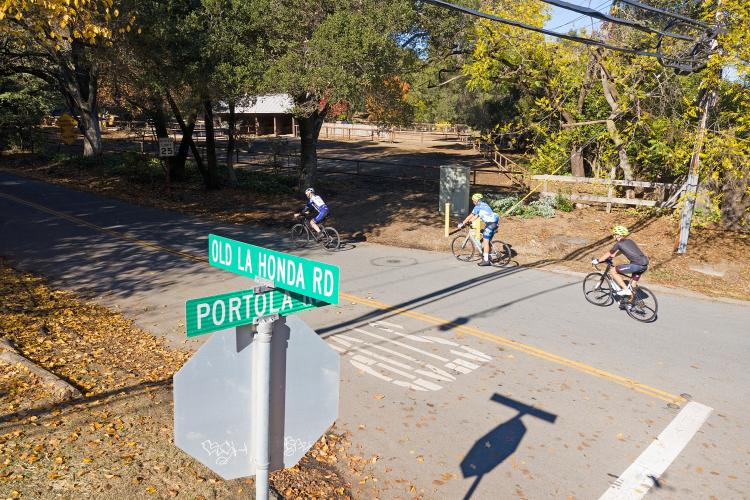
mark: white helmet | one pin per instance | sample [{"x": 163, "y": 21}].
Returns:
[{"x": 309, "y": 191}]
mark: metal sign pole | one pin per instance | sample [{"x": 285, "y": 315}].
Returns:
[
  {"x": 261, "y": 423},
  {"x": 262, "y": 403}
]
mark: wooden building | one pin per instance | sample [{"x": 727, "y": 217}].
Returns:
[{"x": 263, "y": 115}]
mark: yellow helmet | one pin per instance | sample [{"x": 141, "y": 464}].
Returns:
[
  {"x": 620, "y": 231},
  {"x": 476, "y": 197}
]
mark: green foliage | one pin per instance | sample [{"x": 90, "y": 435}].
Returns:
[
  {"x": 563, "y": 203},
  {"x": 540, "y": 208},
  {"x": 337, "y": 51},
  {"x": 267, "y": 183},
  {"x": 504, "y": 203},
  {"x": 129, "y": 165},
  {"x": 24, "y": 100}
]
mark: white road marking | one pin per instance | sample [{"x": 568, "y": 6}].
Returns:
[
  {"x": 467, "y": 355},
  {"x": 383, "y": 358},
  {"x": 369, "y": 370},
  {"x": 457, "y": 368},
  {"x": 384, "y": 365},
  {"x": 341, "y": 341},
  {"x": 637, "y": 479},
  {"x": 401, "y": 344},
  {"x": 392, "y": 325}
]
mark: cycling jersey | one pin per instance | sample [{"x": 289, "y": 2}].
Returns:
[
  {"x": 631, "y": 251},
  {"x": 485, "y": 213},
  {"x": 317, "y": 203}
]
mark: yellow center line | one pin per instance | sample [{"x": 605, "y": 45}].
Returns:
[{"x": 426, "y": 318}]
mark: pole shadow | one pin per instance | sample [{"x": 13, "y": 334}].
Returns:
[{"x": 493, "y": 448}]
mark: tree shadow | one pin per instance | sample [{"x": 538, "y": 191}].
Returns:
[{"x": 493, "y": 448}]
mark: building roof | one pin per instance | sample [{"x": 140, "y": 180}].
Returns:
[{"x": 266, "y": 104}]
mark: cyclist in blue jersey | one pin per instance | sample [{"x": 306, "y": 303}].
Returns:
[
  {"x": 316, "y": 202},
  {"x": 484, "y": 212}
]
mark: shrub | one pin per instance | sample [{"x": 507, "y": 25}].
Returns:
[
  {"x": 541, "y": 208},
  {"x": 500, "y": 205},
  {"x": 563, "y": 203}
]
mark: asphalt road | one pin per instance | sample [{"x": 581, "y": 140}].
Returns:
[{"x": 466, "y": 382}]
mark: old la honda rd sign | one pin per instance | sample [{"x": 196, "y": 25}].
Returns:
[
  {"x": 218, "y": 312},
  {"x": 256, "y": 398},
  {"x": 306, "y": 277}
]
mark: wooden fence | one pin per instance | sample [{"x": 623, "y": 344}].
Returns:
[{"x": 666, "y": 194}]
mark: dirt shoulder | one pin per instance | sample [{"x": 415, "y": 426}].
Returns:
[
  {"x": 405, "y": 214},
  {"x": 116, "y": 441}
]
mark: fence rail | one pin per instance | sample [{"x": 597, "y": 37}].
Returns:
[{"x": 662, "y": 188}]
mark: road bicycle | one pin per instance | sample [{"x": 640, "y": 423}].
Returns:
[
  {"x": 600, "y": 288},
  {"x": 466, "y": 246},
  {"x": 303, "y": 234}
]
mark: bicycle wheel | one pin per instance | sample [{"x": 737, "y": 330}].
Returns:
[
  {"x": 462, "y": 248},
  {"x": 300, "y": 235},
  {"x": 501, "y": 253},
  {"x": 643, "y": 306},
  {"x": 331, "y": 239},
  {"x": 596, "y": 289}
]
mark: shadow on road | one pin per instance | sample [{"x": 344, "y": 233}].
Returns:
[{"x": 493, "y": 448}]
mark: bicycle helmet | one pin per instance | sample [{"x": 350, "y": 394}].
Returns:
[
  {"x": 620, "y": 231},
  {"x": 309, "y": 191},
  {"x": 476, "y": 197}
]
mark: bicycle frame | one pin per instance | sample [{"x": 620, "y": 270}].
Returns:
[{"x": 632, "y": 284}]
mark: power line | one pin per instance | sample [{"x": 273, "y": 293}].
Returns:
[
  {"x": 518, "y": 24},
  {"x": 582, "y": 16},
  {"x": 593, "y": 13},
  {"x": 682, "y": 65},
  {"x": 668, "y": 14}
]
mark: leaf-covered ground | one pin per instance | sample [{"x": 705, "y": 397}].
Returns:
[{"x": 116, "y": 442}]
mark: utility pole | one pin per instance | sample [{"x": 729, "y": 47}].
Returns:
[
  {"x": 686, "y": 218},
  {"x": 708, "y": 101}
]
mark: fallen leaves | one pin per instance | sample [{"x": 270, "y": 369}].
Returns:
[{"x": 121, "y": 435}]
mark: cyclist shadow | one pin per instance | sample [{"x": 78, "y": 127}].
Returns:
[{"x": 350, "y": 242}]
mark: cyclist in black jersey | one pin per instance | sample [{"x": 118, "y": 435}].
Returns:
[{"x": 638, "y": 261}]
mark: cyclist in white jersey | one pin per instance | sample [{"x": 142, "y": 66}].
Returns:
[
  {"x": 316, "y": 202},
  {"x": 484, "y": 212}
]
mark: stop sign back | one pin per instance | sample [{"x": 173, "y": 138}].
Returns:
[{"x": 213, "y": 394}]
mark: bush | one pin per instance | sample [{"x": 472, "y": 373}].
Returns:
[
  {"x": 500, "y": 205},
  {"x": 133, "y": 167},
  {"x": 266, "y": 183},
  {"x": 541, "y": 208},
  {"x": 563, "y": 203}
]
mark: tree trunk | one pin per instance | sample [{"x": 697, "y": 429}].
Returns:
[
  {"x": 309, "y": 130},
  {"x": 213, "y": 179},
  {"x": 576, "y": 155},
  {"x": 231, "y": 175},
  {"x": 177, "y": 162},
  {"x": 78, "y": 83},
  {"x": 735, "y": 201},
  {"x": 177, "y": 168},
  {"x": 611, "y": 95},
  {"x": 577, "y": 167}
]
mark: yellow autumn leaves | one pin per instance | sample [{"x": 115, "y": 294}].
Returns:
[{"x": 91, "y": 21}]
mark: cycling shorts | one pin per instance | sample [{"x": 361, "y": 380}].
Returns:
[
  {"x": 321, "y": 215},
  {"x": 489, "y": 231},
  {"x": 631, "y": 269}
]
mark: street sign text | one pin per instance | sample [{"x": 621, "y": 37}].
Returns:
[{"x": 306, "y": 277}]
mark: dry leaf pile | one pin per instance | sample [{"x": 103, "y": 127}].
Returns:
[{"x": 115, "y": 442}]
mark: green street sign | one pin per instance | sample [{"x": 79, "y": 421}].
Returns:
[
  {"x": 306, "y": 277},
  {"x": 211, "y": 314}
]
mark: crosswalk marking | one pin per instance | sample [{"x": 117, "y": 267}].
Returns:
[{"x": 415, "y": 370}]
